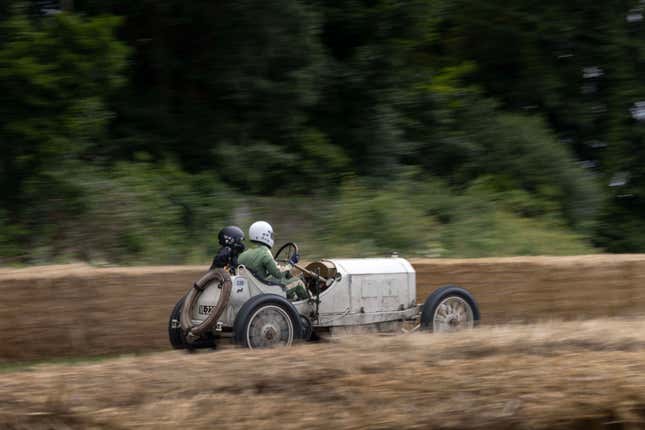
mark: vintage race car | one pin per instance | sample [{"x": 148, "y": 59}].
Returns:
[{"x": 347, "y": 295}]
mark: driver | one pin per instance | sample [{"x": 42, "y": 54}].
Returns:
[{"x": 261, "y": 263}]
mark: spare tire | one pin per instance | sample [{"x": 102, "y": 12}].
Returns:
[{"x": 223, "y": 279}]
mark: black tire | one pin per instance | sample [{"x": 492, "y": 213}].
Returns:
[
  {"x": 250, "y": 309},
  {"x": 307, "y": 328},
  {"x": 440, "y": 295},
  {"x": 175, "y": 333}
]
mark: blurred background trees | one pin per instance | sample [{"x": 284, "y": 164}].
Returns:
[{"x": 131, "y": 131}]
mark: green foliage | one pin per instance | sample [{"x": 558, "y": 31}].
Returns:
[
  {"x": 155, "y": 214},
  {"x": 11, "y": 238},
  {"x": 492, "y": 219},
  {"x": 429, "y": 127},
  {"x": 524, "y": 149},
  {"x": 366, "y": 221},
  {"x": 505, "y": 223},
  {"x": 55, "y": 74},
  {"x": 370, "y": 99},
  {"x": 424, "y": 217},
  {"x": 578, "y": 64},
  {"x": 133, "y": 212},
  {"x": 322, "y": 165}
]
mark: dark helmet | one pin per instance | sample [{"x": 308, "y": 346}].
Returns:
[{"x": 230, "y": 235}]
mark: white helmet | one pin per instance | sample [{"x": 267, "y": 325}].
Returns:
[{"x": 261, "y": 231}]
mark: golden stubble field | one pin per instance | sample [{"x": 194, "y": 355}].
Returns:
[
  {"x": 78, "y": 310},
  {"x": 573, "y": 375}
]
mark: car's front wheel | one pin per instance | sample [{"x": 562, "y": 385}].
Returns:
[
  {"x": 267, "y": 321},
  {"x": 449, "y": 309}
]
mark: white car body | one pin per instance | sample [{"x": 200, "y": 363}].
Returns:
[{"x": 366, "y": 291}]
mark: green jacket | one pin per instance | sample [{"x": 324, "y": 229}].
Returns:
[{"x": 261, "y": 263}]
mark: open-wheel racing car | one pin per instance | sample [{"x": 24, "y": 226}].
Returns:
[{"x": 347, "y": 295}]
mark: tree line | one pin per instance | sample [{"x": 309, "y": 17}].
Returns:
[{"x": 104, "y": 102}]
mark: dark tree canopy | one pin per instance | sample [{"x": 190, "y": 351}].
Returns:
[{"x": 302, "y": 97}]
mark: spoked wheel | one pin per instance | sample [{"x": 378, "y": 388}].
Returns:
[
  {"x": 267, "y": 321},
  {"x": 268, "y": 327},
  {"x": 452, "y": 314},
  {"x": 449, "y": 309}
]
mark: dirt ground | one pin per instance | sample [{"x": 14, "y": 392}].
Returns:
[
  {"x": 573, "y": 375},
  {"x": 530, "y": 289},
  {"x": 77, "y": 310}
]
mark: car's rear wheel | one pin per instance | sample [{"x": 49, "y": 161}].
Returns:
[
  {"x": 175, "y": 333},
  {"x": 267, "y": 321},
  {"x": 269, "y": 326},
  {"x": 449, "y": 309}
]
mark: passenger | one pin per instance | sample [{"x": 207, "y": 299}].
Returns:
[
  {"x": 230, "y": 238},
  {"x": 261, "y": 263}
]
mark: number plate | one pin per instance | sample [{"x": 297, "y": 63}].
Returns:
[{"x": 205, "y": 309}]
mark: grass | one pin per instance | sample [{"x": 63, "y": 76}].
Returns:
[
  {"x": 30, "y": 365},
  {"x": 574, "y": 375}
]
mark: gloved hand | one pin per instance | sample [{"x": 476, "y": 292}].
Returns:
[{"x": 295, "y": 258}]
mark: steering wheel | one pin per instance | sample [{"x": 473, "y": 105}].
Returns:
[{"x": 289, "y": 249}]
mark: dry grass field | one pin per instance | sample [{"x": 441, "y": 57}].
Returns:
[
  {"x": 78, "y": 310},
  {"x": 572, "y": 375}
]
